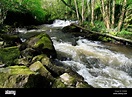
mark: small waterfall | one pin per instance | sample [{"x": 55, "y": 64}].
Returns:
[{"x": 62, "y": 23}]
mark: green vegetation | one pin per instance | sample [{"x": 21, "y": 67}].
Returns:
[
  {"x": 125, "y": 34},
  {"x": 98, "y": 15},
  {"x": 33, "y": 7},
  {"x": 9, "y": 54},
  {"x": 104, "y": 15}
]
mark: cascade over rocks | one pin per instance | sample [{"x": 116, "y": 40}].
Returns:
[{"x": 31, "y": 64}]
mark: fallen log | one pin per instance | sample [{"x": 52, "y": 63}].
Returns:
[{"x": 96, "y": 35}]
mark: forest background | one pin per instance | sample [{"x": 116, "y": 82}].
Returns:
[{"x": 104, "y": 16}]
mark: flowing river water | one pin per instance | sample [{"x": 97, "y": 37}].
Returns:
[{"x": 103, "y": 65}]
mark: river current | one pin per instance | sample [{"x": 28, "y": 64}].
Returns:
[{"x": 103, "y": 65}]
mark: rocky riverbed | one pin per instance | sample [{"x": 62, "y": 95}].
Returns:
[{"x": 32, "y": 64}]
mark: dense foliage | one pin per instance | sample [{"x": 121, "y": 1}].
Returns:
[
  {"x": 32, "y": 7},
  {"x": 109, "y": 16}
]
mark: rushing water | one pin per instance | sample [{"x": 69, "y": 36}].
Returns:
[{"x": 103, "y": 65}]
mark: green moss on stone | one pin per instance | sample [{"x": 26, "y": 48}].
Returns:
[
  {"x": 20, "y": 70},
  {"x": 7, "y": 55},
  {"x": 43, "y": 42},
  {"x": 14, "y": 76},
  {"x": 58, "y": 84},
  {"x": 38, "y": 57}
]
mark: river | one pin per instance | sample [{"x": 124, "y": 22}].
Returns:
[{"x": 103, "y": 65}]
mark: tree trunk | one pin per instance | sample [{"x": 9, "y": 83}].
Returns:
[
  {"x": 77, "y": 12},
  {"x": 82, "y": 11},
  {"x": 103, "y": 12},
  {"x": 88, "y": 8},
  {"x": 113, "y": 14},
  {"x": 122, "y": 15},
  {"x": 107, "y": 19},
  {"x": 92, "y": 12}
]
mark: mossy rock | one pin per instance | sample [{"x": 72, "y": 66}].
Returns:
[
  {"x": 21, "y": 61},
  {"x": 58, "y": 84},
  {"x": 42, "y": 44},
  {"x": 39, "y": 68},
  {"x": 39, "y": 57},
  {"x": 9, "y": 54},
  {"x": 14, "y": 76},
  {"x": 67, "y": 79},
  {"x": 21, "y": 77},
  {"x": 10, "y": 40},
  {"x": 71, "y": 28}
]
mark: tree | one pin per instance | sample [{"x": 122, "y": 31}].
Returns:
[
  {"x": 92, "y": 12},
  {"x": 122, "y": 15},
  {"x": 113, "y": 14},
  {"x": 77, "y": 12},
  {"x": 105, "y": 13}
]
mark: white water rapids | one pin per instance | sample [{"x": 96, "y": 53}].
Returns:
[{"x": 101, "y": 65}]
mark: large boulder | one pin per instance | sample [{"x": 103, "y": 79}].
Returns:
[
  {"x": 40, "y": 44},
  {"x": 38, "y": 67},
  {"x": 21, "y": 77}
]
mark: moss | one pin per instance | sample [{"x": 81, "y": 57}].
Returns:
[
  {"x": 22, "y": 61},
  {"x": 38, "y": 57},
  {"x": 7, "y": 55},
  {"x": 20, "y": 70},
  {"x": 113, "y": 33},
  {"x": 45, "y": 60},
  {"x": 105, "y": 39},
  {"x": 43, "y": 42},
  {"x": 6, "y": 80},
  {"x": 58, "y": 84},
  {"x": 39, "y": 68},
  {"x": 14, "y": 76},
  {"x": 36, "y": 66}
]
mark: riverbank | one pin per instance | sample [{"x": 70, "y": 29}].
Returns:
[{"x": 104, "y": 37}]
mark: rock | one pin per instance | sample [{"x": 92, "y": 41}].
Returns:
[
  {"x": 9, "y": 54},
  {"x": 14, "y": 76},
  {"x": 71, "y": 28},
  {"x": 21, "y": 77},
  {"x": 10, "y": 40},
  {"x": 58, "y": 84},
  {"x": 21, "y": 61},
  {"x": 67, "y": 79},
  {"x": 28, "y": 54},
  {"x": 40, "y": 57},
  {"x": 41, "y": 44},
  {"x": 38, "y": 67}
]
